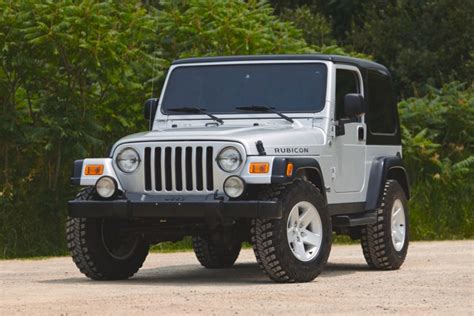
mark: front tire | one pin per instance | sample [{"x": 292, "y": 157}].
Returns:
[
  {"x": 100, "y": 250},
  {"x": 385, "y": 243},
  {"x": 216, "y": 255},
  {"x": 296, "y": 247}
]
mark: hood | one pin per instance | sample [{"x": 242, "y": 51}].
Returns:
[{"x": 277, "y": 139}]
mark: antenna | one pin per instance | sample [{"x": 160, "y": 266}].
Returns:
[
  {"x": 153, "y": 108},
  {"x": 153, "y": 72}
]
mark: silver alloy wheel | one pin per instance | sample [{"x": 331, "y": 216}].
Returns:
[
  {"x": 304, "y": 231},
  {"x": 398, "y": 226}
]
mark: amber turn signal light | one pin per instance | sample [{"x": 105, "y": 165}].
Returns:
[
  {"x": 289, "y": 169},
  {"x": 259, "y": 167},
  {"x": 94, "y": 170}
]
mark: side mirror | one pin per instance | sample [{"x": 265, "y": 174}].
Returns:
[
  {"x": 354, "y": 104},
  {"x": 149, "y": 109}
]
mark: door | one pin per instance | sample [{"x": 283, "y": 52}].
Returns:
[{"x": 349, "y": 144}]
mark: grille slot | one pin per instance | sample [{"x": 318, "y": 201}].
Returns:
[
  {"x": 189, "y": 168},
  {"x": 179, "y": 169},
  {"x": 158, "y": 172},
  {"x": 209, "y": 171},
  {"x": 147, "y": 169}
]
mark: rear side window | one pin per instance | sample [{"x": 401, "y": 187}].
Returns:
[
  {"x": 347, "y": 81},
  {"x": 382, "y": 114}
]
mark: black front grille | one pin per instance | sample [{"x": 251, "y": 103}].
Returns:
[{"x": 181, "y": 168}]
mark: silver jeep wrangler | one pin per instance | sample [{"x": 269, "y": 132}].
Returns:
[{"x": 279, "y": 151}]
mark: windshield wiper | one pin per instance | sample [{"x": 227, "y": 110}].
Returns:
[
  {"x": 264, "y": 109},
  {"x": 196, "y": 110}
]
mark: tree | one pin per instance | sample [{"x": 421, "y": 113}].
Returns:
[
  {"x": 420, "y": 41},
  {"x": 73, "y": 76},
  {"x": 316, "y": 27},
  {"x": 219, "y": 27},
  {"x": 438, "y": 148}
]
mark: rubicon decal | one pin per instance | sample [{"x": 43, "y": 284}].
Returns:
[{"x": 291, "y": 150}]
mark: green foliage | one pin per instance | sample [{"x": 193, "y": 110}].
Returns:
[
  {"x": 420, "y": 41},
  {"x": 317, "y": 31},
  {"x": 316, "y": 27},
  {"x": 438, "y": 140},
  {"x": 438, "y": 132},
  {"x": 220, "y": 27},
  {"x": 73, "y": 76}
]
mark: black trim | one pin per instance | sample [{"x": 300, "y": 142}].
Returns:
[
  {"x": 175, "y": 207},
  {"x": 260, "y": 148},
  {"x": 354, "y": 220},
  {"x": 374, "y": 138},
  {"x": 346, "y": 208},
  {"x": 149, "y": 111},
  {"x": 77, "y": 172},
  {"x": 361, "y": 63},
  {"x": 279, "y": 170},
  {"x": 378, "y": 176},
  {"x": 280, "y": 163}
]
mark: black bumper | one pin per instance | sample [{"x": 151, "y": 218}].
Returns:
[{"x": 175, "y": 207}]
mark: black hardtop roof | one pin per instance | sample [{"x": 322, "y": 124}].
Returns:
[{"x": 361, "y": 63}]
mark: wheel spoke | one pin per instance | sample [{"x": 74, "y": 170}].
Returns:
[
  {"x": 291, "y": 234},
  {"x": 395, "y": 214},
  {"x": 401, "y": 231},
  {"x": 312, "y": 238},
  {"x": 307, "y": 218},
  {"x": 299, "y": 249},
  {"x": 294, "y": 216},
  {"x": 398, "y": 235}
]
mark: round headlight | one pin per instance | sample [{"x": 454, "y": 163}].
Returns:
[
  {"x": 128, "y": 160},
  {"x": 229, "y": 159},
  {"x": 106, "y": 187},
  {"x": 234, "y": 186}
]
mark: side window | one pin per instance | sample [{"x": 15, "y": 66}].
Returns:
[
  {"x": 347, "y": 81},
  {"x": 381, "y": 116}
]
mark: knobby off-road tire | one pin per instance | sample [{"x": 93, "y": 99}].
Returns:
[
  {"x": 270, "y": 237},
  {"x": 253, "y": 240},
  {"x": 214, "y": 255},
  {"x": 376, "y": 239},
  {"x": 99, "y": 251}
]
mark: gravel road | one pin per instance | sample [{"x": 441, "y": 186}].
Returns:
[{"x": 438, "y": 277}]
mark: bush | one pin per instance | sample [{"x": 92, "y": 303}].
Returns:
[
  {"x": 438, "y": 140},
  {"x": 315, "y": 27},
  {"x": 203, "y": 28},
  {"x": 420, "y": 41},
  {"x": 72, "y": 77}
]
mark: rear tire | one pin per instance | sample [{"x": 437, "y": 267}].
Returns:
[
  {"x": 99, "y": 250},
  {"x": 213, "y": 255},
  {"x": 385, "y": 243},
  {"x": 294, "y": 259}
]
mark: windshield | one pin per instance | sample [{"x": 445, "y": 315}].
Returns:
[{"x": 291, "y": 87}]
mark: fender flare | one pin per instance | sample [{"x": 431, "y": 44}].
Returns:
[
  {"x": 279, "y": 170},
  {"x": 77, "y": 172},
  {"x": 384, "y": 168}
]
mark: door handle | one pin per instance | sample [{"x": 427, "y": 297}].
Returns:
[{"x": 360, "y": 133}]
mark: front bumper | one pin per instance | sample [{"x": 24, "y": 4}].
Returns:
[{"x": 174, "y": 207}]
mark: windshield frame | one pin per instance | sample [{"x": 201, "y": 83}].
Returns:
[{"x": 323, "y": 111}]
